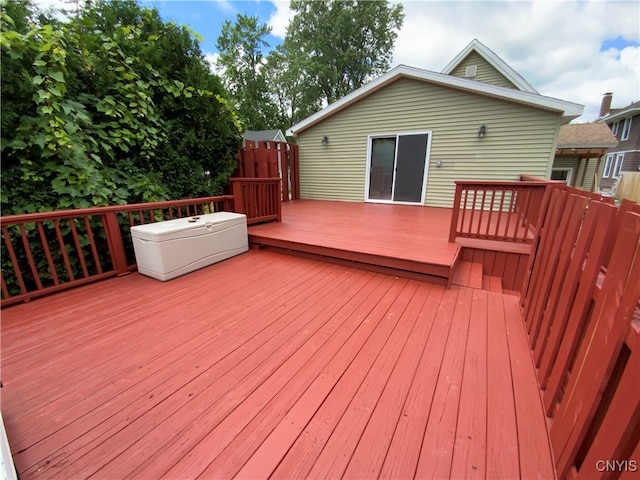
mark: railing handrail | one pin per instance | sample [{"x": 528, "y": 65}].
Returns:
[
  {"x": 525, "y": 177},
  {"x": 128, "y": 207},
  {"x": 505, "y": 183}
]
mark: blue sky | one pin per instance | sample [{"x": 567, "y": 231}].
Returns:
[
  {"x": 618, "y": 43},
  {"x": 207, "y": 17}
]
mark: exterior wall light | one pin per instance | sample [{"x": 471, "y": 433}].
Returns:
[
  {"x": 325, "y": 140},
  {"x": 482, "y": 132}
]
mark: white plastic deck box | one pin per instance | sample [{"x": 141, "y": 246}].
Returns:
[{"x": 165, "y": 250}]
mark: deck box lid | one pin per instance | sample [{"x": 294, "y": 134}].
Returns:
[{"x": 183, "y": 227}]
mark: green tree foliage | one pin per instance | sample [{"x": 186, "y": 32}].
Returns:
[
  {"x": 112, "y": 106},
  {"x": 290, "y": 87},
  {"x": 240, "y": 45},
  {"x": 342, "y": 44}
]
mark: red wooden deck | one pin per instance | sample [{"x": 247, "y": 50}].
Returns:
[
  {"x": 268, "y": 365},
  {"x": 402, "y": 240}
]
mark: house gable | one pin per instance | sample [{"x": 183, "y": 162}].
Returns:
[
  {"x": 491, "y": 70},
  {"x": 475, "y": 67},
  {"x": 568, "y": 110}
]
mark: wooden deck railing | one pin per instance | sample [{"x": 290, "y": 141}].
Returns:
[
  {"x": 581, "y": 310},
  {"x": 47, "y": 252},
  {"x": 498, "y": 211},
  {"x": 257, "y": 198}
]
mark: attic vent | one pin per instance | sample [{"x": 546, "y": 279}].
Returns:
[{"x": 470, "y": 71}]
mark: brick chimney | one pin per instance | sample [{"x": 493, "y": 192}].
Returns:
[{"x": 605, "y": 106}]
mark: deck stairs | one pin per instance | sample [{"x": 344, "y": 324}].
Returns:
[{"x": 470, "y": 274}]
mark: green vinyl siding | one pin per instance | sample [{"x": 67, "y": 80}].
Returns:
[
  {"x": 486, "y": 72},
  {"x": 578, "y": 169},
  {"x": 520, "y": 139}
]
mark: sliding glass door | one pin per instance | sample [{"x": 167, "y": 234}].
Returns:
[{"x": 397, "y": 167}]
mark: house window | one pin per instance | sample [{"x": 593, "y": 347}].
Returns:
[
  {"x": 562, "y": 174},
  {"x": 606, "y": 173},
  {"x": 614, "y": 128},
  {"x": 626, "y": 128},
  {"x": 618, "y": 166}
]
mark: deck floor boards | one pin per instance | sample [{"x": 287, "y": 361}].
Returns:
[{"x": 268, "y": 365}]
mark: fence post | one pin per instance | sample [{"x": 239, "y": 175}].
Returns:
[{"x": 114, "y": 240}]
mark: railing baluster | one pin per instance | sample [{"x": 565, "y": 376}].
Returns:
[
  {"x": 14, "y": 260},
  {"x": 473, "y": 210},
  {"x": 511, "y": 213},
  {"x": 5, "y": 290},
  {"x": 63, "y": 250},
  {"x": 32, "y": 265},
  {"x": 491, "y": 207},
  {"x": 484, "y": 196},
  {"x": 76, "y": 241},
  {"x": 500, "y": 210},
  {"x": 47, "y": 253},
  {"x": 464, "y": 210},
  {"x": 92, "y": 243}
]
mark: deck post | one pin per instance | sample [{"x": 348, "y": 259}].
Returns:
[
  {"x": 455, "y": 213},
  {"x": 116, "y": 245},
  {"x": 238, "y": 197}
]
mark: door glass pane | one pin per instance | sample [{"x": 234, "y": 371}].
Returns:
[
  {"x": 412, "y": 154},
  {"x": 559, "y": 174},
  {"x": 383, "y": 151}
]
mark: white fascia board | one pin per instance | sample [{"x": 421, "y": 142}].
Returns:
[
  {"x": 569, "y": 110},
  {"x": 499, "y": 64},
  {"x": 621, "y": 115}
]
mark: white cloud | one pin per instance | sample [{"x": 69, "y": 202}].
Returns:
[
  {"x": 55, "y": 7},
  {"x": 212, "y": 60},
  {"x": 280, "y": 18},
  {"x": 554, "y": 45},
  {"x": 226, "y": 5}
]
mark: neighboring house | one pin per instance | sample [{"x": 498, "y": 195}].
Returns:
[
  {"x": 625, "y": 125},
  {"x": 580, "y": 154},
  {"x": 408, "y": 135},
  {"x": 252, "y": 137}
]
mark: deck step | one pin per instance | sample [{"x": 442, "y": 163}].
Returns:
[
  {"x": 492, "y": 284},
  {"x": 468, "y": 274}
]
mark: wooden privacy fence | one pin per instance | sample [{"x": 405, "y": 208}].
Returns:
[
  {"x": 46, "y": 252},
  {"x": 497, "y": 211},
  {"x": 272, "y": 160},
  {"x": 581, "y": 313}
]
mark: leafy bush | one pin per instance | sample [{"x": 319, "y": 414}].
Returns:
[{"x": 112, "y": 106}]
